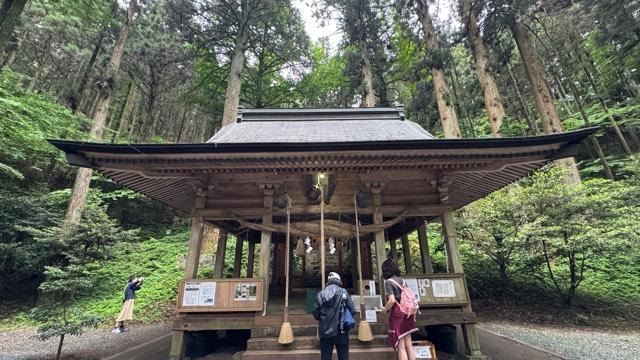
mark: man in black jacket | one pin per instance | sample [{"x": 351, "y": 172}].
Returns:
[{"x": 328, "y": 311}]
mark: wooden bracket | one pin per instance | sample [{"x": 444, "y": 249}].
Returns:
[{"x": 375, "y": 186}]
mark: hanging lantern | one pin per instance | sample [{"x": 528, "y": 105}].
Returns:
[{"x": 332, "y": 246}]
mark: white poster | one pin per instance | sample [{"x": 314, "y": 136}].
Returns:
[
  {"x": 207, "y": 294},
  {"x": 443, "y": 288},
  {"x": 191, "y": 296},
  {"x": 199, "y": 294},
  {"x": 372, "y": 287},
  {"x": 371, "y": 316},
  {"x": 413, "y": 285},
  {"x": 422, "y": 352}
]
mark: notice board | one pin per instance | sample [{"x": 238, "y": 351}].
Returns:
[
  {"x": 221, "y": 295},
  {"x": 439, "y": 289}
]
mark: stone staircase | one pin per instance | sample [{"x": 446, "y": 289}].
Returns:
[{"x": 264, "y": 345}]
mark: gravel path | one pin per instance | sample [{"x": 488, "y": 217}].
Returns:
[
  {"x": 574, "y": 344},
  {"x": 95, "y": 344}
]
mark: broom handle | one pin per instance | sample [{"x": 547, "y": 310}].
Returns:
[
  {"x": 286, "y": 262},
  {"x": 359, "y": 260}
]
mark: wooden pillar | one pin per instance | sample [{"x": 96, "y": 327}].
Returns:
[
  {"x": 381, "y": 255},
  {"x": 265, "y": 240},
  {"x": 218, "y": 269},
  {"x": 393, "y": 245},
  {"x": 425, "y": 256},
  {"x": 176, "y": 352},
  {"x": 237, "y": 260},
  {"x": 406, "y": 254},
  {"x": 470, "y": 335},
  {"x": 251, "y": 258}
]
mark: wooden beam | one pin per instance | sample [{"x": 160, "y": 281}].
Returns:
[
  {"x": 251, "y": 258},
  {"x": 265, "y": 239},
  {"x": 221, "y": 249},
  {"x": 406, "y": 254},
  {"x": 425, "y": 256},
  {"x": 176, "y": 352},
  {"x": 381, "y": 255},
  {"x": 237, "y": 261},
  {"x": 393, "y": 245}
]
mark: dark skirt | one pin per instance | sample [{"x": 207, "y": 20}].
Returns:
[{"x": 399, "y": 326}]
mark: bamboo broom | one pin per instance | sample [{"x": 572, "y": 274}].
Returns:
[
  {"x": 286, "y": 331},
  {"x": 364, "y": 329}
]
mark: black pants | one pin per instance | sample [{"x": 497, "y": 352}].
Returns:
[{"x": 341, "y": 341}]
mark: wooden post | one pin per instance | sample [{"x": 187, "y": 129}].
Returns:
[
  {"x": 393, "y": 245},
  {"x": 237, "y": 261},
  {"x": 265, "y": 240},
  {"x": 176, "y": 351},
  {"x": 251, "y": 258},
  {"x": 470, "y": 335},
  {"x": 427, "y": 268},
  {"x": 406, "y": 254},
  {"x": 381, "y": 255},
  {"x": 218, "y": 269}
]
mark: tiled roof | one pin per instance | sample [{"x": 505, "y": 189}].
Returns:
[{"x": 320, "y": 126}]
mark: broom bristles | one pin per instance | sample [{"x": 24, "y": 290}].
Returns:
[
  {"x": 286, "y": 334},
  {"x": 364, "y": 331}
]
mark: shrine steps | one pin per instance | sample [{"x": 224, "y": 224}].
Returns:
[
  {"x": 377, "y": 353},
  {"x": 263, "y": 344},
  {"x": 312, "y": 343}
]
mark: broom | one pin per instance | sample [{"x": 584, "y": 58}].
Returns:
[
  {"x": 286, "y": 331},
  {"x": 364, "y": 329}
]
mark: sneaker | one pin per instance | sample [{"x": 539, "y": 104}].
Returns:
[
  {"x": 116, "y": 331},
  {"x": 124, "y": 329}
]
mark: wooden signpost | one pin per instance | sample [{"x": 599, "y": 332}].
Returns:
[{"x": 221, "y": 295}]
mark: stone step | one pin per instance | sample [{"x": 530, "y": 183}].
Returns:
[
  {"x": 376, "y": 353},
  {"x": 311, "y": 343},
  {"x": 306, "y": 330}
]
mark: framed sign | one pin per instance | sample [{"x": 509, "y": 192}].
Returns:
[
  {"x": 221, "y": 295},
  {"x": 439, "y": 289}
]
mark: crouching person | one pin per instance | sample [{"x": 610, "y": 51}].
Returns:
[{"x": 331, "y": 306}]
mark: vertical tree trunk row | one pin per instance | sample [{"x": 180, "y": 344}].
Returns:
[
  {"x": 444, "y": 98},
  {"x": 542, "y": 94},
  {"x": 83, "y": 177},
  {"x": 492, "y": 99}
]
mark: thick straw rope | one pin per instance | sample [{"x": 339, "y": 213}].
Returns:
[{"x": 331, "y": 227}]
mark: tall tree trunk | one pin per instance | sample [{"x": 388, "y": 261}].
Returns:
[
  {"x": 369, "y": 99},
  {"x": 600, "y": 98},
  {"x": 83, "y": 177},
  {"x": 73, "y": 102},
  {"x": 234, "y": 84},
  {"x": 444, "y": 98},
  {"x": 594, "y": 140},
  {"x": 10, "y": 12},
  {"x": 542, "y": 94},
  {"x": 492, "y": 99},
  {"x": 127, "y": 111}
]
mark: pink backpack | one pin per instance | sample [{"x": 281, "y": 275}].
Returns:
[{"x": 408, "y": 303}]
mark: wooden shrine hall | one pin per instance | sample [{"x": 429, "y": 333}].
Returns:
[{"x": 315, "y": 174}]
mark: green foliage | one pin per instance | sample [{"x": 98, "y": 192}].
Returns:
[
  {"x": 27, "y": 119},
  {"x": 76, "y": 249},
  {"x": 156, "y": 260},
  {"x": 542, "y": 229}
]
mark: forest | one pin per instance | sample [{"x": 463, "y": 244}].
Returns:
[{"x": 561, "y": 246}]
